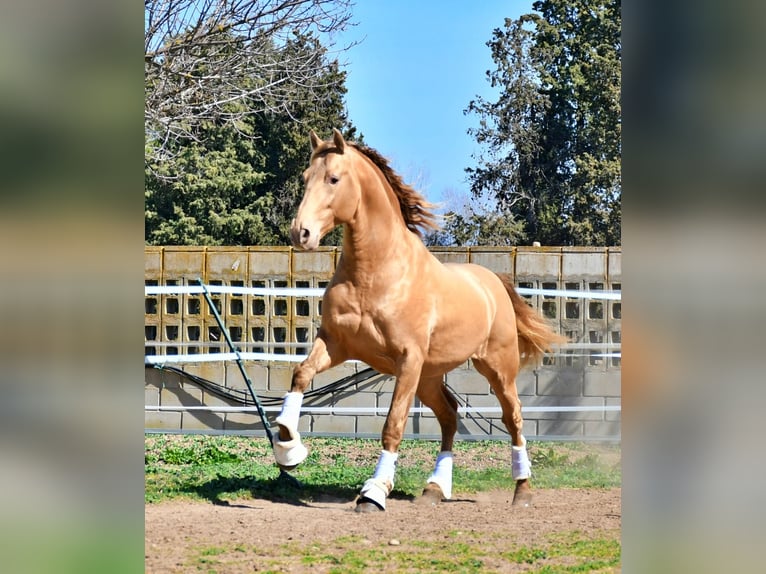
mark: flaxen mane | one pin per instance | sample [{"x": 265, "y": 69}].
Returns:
[{"x": 415, "y": 209}]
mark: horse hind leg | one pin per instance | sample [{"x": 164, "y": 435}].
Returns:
[
  {"x": 503, "y": 383},
  {"x": 440, "y": 400}
]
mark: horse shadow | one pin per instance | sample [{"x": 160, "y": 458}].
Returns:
[{"x": 282, "y": 489}]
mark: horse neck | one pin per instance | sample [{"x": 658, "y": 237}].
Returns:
[{"x": 377, "y": 236}]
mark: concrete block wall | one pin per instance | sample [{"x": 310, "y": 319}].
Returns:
[{"x": 182, "y": 324}]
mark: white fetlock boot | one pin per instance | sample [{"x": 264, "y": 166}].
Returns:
[
  {"x": 521, "y": 468},
  {"x": 292, "y": 452},
  {"x": 442, "y": 475},
  {"x": 377, "y": 488}
]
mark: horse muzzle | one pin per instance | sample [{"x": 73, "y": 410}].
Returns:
[{"x": 303, "y": 237}]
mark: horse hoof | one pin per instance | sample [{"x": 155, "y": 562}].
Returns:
[
  {"x": 432, "y": 495},
  {"x": 287, "y": 468},
  {"x": 522, "y": 496},
  {"x": 364, "y": 504}
]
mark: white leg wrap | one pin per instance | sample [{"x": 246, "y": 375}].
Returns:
[
  {"x": 386, "y": 467},
  {"x": 376, "y": 490},
  {"x": 381, "y": 484},
  {"x": 521, "y": 468},
  {"x": 291, "y": 411},
  {"x": 442, "y": 475},
  {"x": 290, "y": 452}
]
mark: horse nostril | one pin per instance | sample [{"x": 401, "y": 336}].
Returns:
[{"x": 305, "y": 233}]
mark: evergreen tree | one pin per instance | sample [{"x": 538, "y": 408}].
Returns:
[
  {"x": 552, "y": 139},
  {"x": 238, "y": 182},
  {"x": 472, "y": 226}
]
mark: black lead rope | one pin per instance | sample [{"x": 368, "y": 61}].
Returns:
[{"x": 248, "y": 382}]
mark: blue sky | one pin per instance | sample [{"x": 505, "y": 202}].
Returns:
[{"x": 419, "y": 64}]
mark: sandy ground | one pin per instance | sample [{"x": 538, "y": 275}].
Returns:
[{"x": 260, "y": 535}]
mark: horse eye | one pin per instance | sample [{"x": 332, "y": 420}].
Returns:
[{"x": 334, "y": 179}]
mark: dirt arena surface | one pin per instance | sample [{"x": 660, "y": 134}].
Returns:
[{"x": 255, "y": 535}]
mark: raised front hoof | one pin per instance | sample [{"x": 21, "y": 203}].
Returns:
[
  {"x": 432, "y": 495},
  {"x": 364, "y": 504},
  {"x": 288, "y": 452},
  {"x": 522, "y": 496},
  {"x": 283, "y": 433}
]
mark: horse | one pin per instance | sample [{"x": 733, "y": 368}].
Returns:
[{"x": 394, "y": 306}]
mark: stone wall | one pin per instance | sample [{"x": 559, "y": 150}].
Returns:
[{"x": 181, "y": 324}]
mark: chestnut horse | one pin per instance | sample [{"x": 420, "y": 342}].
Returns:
[{"x": 394, "y": 306}]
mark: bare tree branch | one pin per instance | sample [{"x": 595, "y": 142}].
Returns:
[{"x": 220, "y": 59}]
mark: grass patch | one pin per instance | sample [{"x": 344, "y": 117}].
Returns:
[
  {"x": 579, "y": 552},
  {"x": 558, "y": 553},
  {"x": 345, "y": 555},
  {"x": 223, "y": 468}
]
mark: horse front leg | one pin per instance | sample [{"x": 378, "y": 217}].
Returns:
[
  {"x": 376, "y": 489},
  {"x": 433, "y": 394},
  {"x": 289, "y": 451}
]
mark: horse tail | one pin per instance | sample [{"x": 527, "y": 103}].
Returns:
[{"x": 536, "y": 336}]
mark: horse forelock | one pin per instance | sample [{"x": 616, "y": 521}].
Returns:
[
  {"x": 325, "y": 148},
  {"x": 416, "y": 210}
]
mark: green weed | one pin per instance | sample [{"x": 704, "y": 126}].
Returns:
[
  {"x": 568, "y": 552},
  {"x": 583, "y": 554},
  {"x": 526, "y": 555},
  {"x": 221, "y": 468}
]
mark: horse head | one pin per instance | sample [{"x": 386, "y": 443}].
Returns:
[{"x": 332, "y": 192}]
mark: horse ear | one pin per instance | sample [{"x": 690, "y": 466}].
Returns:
[
  {"x": 337, "y": 139},
  {"x": 315, "y": 141}
]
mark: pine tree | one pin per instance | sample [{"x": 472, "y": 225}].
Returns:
[
  {"x": 239, "y": 182},
  {"x": 552, "y": 139}
]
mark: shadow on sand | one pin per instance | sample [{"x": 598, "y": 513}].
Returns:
[{"x": 283, "y": 489}]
